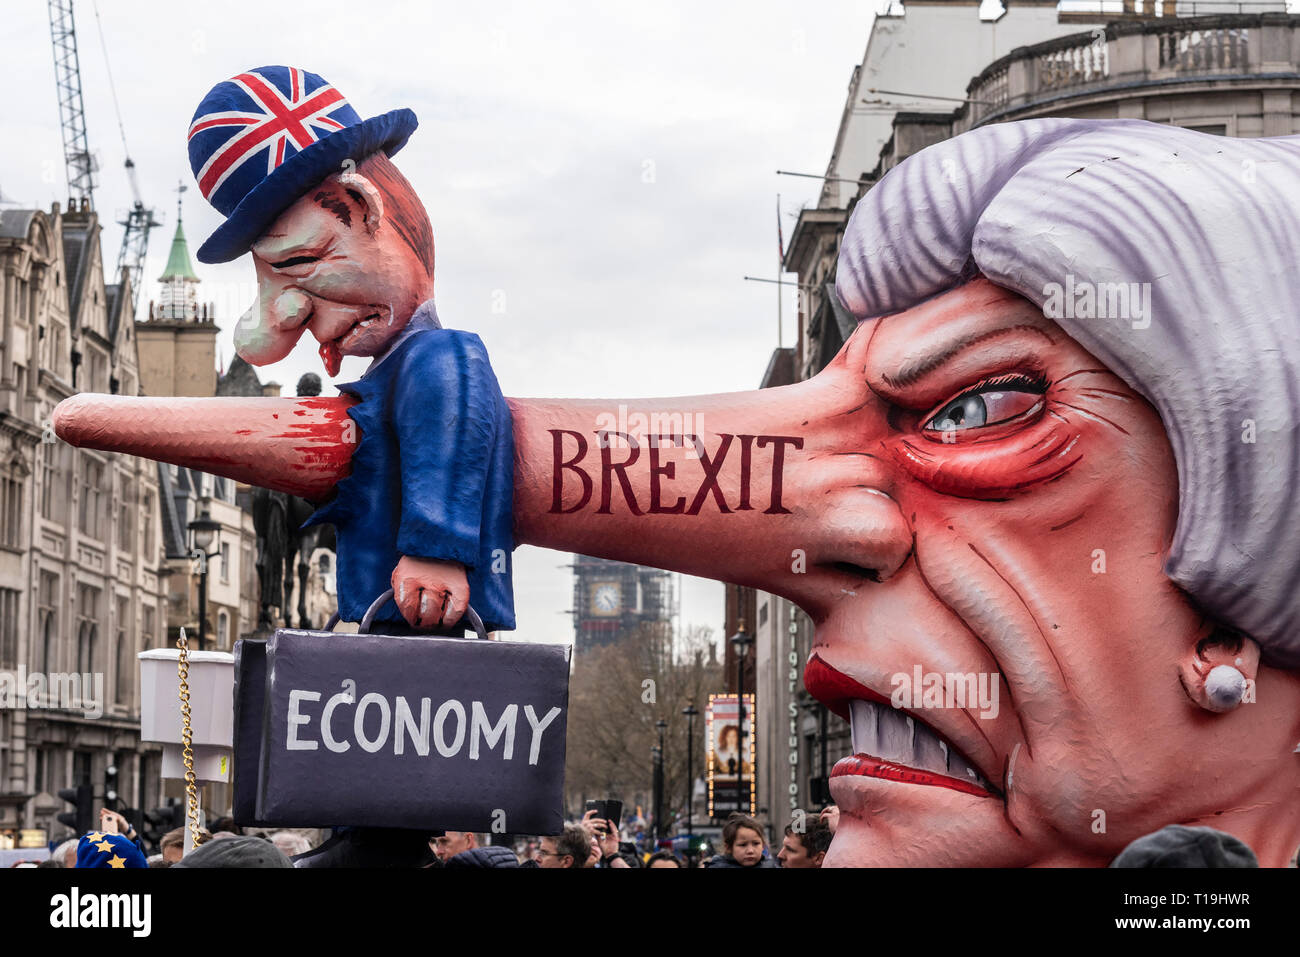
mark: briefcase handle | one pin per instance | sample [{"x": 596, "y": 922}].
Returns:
[{"x": 369, "y": 617}]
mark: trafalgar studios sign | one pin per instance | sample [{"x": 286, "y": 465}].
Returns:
[{"x": 793, "y": 681}]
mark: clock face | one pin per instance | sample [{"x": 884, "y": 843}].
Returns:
[{"x": 606, "y": 597}]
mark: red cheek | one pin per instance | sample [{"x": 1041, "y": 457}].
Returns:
[{"x": 994, "y": 467}]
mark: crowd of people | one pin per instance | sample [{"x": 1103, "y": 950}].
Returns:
[{"x": 592, "y": 842}]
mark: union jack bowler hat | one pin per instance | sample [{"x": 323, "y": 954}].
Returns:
[{"x": 262, "y": 139}]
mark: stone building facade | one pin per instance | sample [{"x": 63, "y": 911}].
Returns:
[
  {"x": 81, "y": 589},
  {"x": 95, "y": 562}
]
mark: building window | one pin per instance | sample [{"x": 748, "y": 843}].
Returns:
[
  {"x": 324, "y": 563},
  {"x": 223, "y": 629},
  {"x": 147, "y": 542},
  {"x": 8, "y": 628},
  {"x": 47, "y": 622},
  {"x": 20, "y": 314},
  {"x": 49, "y": 479},
  {"x": 147, "y": 626},
  {"x": 56, "y": 478},
  {"x": 89, "y": 519},
  {"x": 124, "y": 528},
  {"x": 225, "y": 562},
  {"x": 98, "y": 373},
  {"x": 46, "y": 333},
  {"x": 41, "y": 771},
  {"x": 125, "y": 512},
  {"x": 82, "y": 762},
  {"x": 11, "y": 510},
  {"x": 125, "y": 652},
  {"x": 87, "y": 627}
]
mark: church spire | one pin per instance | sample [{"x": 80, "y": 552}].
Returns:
[
  {"x": 179, "y": 299},
  {"x": 179, "y": 264}
]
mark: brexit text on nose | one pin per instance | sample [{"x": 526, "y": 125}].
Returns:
[{"x": 709, "y": 488}]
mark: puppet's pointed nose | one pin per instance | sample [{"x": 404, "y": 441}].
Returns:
[{"x": 300, "y": 446}]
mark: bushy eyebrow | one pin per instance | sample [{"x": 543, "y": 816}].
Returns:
[
  {"x": 918, "y": 368},
  {"x": 325, "y": 201},
  {"x": 312, "y": 248},
  {"x": 328, "y": 201}
]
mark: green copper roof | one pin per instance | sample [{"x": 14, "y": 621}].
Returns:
[{"x": 179, "y": 264}]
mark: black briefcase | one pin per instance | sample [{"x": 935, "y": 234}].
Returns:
[{"x": 412, "y": 732}]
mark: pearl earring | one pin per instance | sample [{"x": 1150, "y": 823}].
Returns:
[{"x": 1225, "y": 686}]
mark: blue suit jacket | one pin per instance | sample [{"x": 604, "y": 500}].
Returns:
[{"x": 432, "y": 477}]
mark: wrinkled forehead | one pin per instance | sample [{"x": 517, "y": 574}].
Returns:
[
  {"x": 915, "y": 352},
  {"x": 305, "y": 226}
]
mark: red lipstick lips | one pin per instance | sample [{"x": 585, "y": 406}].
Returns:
[
  {"x": 867, "y": 766},
  {"x": 836, "y": 690}
]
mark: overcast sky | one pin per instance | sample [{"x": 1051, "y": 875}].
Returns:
[{"x": 607, "y": 171}]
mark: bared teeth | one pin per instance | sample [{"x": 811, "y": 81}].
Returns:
[
  {"x": 929, "y": 750},
  {"x": 892, "y": 735}
]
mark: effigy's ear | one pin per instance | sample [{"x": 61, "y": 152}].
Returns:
[
  {"x": 362, "y": 194},
  {"x": 1220, "y": 671}
]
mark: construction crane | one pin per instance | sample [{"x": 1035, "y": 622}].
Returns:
[
  {"x": 135, "y": 239},
  {"x": 81, "y": 165},
  {"x": 72, "y": 112}
]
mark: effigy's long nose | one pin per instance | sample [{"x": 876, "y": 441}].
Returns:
[
  {"x": 773, "y": 488},
  {"x": 301, "y": 446}
]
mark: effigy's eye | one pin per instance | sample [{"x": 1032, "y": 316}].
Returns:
[
  {"x": 999, "y": 402},
  {"x": 296, "y": 261}
]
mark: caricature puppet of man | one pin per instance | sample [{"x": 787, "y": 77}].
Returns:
[{"x": 343, "y": 250}]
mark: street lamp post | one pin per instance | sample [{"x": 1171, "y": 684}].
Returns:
[
  {"x": 690, "y": 713},
  {"x": 203, "y": 533},
  {"x": 657, "y": 767},
  {"x": 661, "y": 724},
  {"x": 740, "y": 643}
]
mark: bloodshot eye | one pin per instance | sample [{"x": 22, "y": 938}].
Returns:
[{"x": 998, "y": 402}]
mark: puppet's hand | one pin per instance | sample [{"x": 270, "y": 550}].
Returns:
[{"x": 430, "y": 594}]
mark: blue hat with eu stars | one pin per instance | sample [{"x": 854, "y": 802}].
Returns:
[{"x": 98, "y": 849}]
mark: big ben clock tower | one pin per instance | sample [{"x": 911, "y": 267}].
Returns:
[
  {"x": 610, "y": 599},
  {"x": 606, "y": 599}
]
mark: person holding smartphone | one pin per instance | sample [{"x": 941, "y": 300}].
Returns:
[
  {"x": 604, "y": 830},
  {"x": 111, "y": 822}
]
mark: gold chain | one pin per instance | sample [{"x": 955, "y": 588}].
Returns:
[{"x": 191, "y": 787}]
